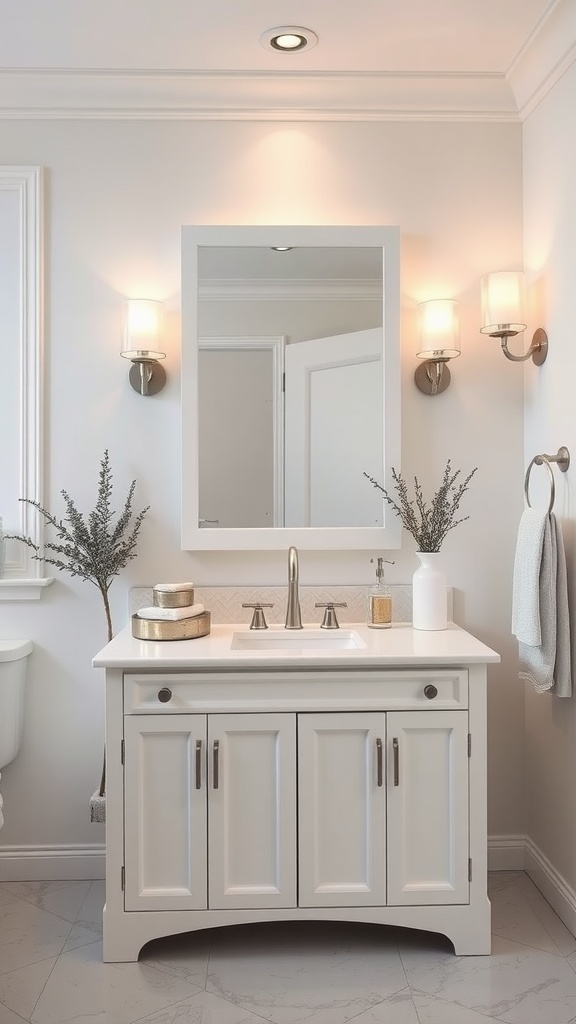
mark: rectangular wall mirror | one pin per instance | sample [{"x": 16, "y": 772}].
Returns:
[{"x": 290, "y": 386}]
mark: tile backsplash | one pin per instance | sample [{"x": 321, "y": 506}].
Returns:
[{"x": 225, "y": 603}]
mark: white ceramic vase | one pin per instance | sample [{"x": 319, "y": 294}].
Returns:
[{"x": 429, "y": 593}]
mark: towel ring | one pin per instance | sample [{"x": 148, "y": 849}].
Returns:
[{"x": 562, "y": 460}]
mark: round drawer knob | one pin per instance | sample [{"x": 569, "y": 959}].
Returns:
[
  {"x": 164, "y": 695},
  {"x": 430, "y": 691}
]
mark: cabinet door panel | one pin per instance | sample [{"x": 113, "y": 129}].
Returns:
[
  {"x": 165, "y": 836},
  {"x": 252, "y": 812},
  {"x": 427, "y": 807},
  {"x": 342, "y": 810}
]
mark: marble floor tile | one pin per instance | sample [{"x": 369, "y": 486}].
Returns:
[
  {"x": 309, "y": 971},
  {"x": 51, "y": 968},
  {"x": 90, "y": 913},
  {"x": 7, "y": 1017},
  {"x": 514, "y": 917},
  {"x": 64, "y": 902},
  {"x": 437, "y": 1011},
  {"x": 557, "y": 930},
  {"x": 6, "y": 897},
  {"x": 21, "y": 990},
  {"x": 28, "y": 934},
  {"x": 181, "y": 956},
  {"x": 205, "y": 1008},
  {"x": 35, "y": 889},
  {"x": 399, "y": 1009},
  {"x": 517, "y": 984},
  {"x": 82, "y": 988}
]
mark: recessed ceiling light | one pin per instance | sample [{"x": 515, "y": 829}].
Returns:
[
  {"x": 282, "y": 248},
  {"x": 289, "y": 38}
]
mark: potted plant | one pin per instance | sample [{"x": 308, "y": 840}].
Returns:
[
  {"x": 95, "y": 547},
  {"x": 429, "y": 523}
]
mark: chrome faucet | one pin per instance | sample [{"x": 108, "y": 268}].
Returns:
[{"x": 293, "y": 615}]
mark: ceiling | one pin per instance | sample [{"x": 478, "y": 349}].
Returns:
[
  {"x": 410, "y": 36},
  {"x": 203, "y": 58}
]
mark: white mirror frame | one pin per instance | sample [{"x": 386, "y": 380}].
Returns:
[{"x": 387, "y": 536}]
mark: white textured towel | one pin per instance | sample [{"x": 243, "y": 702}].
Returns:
[
  {"x": 540, "y": 616},
  {"x": 173, "y": 588},
  {"x": 525, "y": 585},
  {"x": 171, "y": 614}
]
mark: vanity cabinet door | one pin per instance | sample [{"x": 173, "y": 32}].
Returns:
[
  {"x": 342, "y": 809},
  {"x": 252, "y": 810},
  {"x": 427, "y": 807},
  {"x": 165, "y": 812}
]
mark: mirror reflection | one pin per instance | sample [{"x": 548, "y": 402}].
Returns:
[{"x": 290, "y": 386}]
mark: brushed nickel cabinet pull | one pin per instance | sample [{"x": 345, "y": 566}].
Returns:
[
  {"x": 379, "y": 761},
  {"x": 215, "y": 753},
  {"x": 396, "y": 751},
  {"x": 198, "y": 764}
]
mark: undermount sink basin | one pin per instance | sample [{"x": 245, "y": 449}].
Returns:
[{"x": 296, "y": 640}]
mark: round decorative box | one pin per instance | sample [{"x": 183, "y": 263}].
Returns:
[
  {"x": 181, "y": 629},
  {"x": 173, "y": 598}
]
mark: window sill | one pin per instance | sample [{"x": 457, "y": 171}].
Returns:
[{"x": 23, "y": 590}]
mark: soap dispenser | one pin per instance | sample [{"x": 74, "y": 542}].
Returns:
[{"x": 379, "y": 599}]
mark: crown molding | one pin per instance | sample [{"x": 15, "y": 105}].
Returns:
[
  {"x": 253, "y": 96},
  {"x": 546, "y": 55},
  {"x": 311, "y": 290}
]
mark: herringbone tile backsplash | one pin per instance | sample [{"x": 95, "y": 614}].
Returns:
[{"x": 225, "y": 603}]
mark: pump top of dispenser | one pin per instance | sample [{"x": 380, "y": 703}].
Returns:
[{"x": 380, "y": 567}]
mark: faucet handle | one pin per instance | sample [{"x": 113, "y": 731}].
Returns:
[
  {"x": 258, "y": 619},
  {"x": 330, "y": 621}
]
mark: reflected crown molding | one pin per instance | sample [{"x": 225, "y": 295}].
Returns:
[{"x": 264, "y": 290}]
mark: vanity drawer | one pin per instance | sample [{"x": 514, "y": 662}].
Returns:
[{"x": 303, "y": 690}]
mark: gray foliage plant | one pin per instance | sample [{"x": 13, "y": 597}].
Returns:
[
  {"x": 96, "y": 546},
  {"x": 428, "y": 522}
]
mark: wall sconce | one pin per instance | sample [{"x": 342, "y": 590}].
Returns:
[
  {"x": 141, "y": 340},
  {"x": 503, "y": 300},
  {"x": 439, "y": 342}
]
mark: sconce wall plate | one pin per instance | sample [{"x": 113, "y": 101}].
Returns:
[
  {"x": 147, "y": 376},
  {"x": 432, "y": 378},
  {"x": 540, "y": 340}
]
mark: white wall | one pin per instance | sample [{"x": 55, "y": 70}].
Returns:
[
  {"x": 550, "y": 230},
  {"x": 117, "y": 193}
]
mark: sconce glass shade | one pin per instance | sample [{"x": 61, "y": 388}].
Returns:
[
  {"x": 143, "y": 329},
  {"x": 503, "y": 297},
  {"x": 439, "y": 330}
]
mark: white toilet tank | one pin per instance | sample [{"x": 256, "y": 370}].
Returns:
[{"x": 13, "y": 667}]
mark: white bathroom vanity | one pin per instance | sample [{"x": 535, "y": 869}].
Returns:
[{"x": 292, "y": 776}]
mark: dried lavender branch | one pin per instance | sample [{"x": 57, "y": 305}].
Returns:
[{"x": 429, "y": 523}]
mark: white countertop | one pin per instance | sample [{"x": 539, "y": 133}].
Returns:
[{"x": 399, "y": 646}]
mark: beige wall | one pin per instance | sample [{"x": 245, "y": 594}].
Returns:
[
  {"x": 117, "y": 194},
  {"x": 550, "y": 230}
]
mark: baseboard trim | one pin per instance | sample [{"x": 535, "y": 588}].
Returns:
[
  {"x": 554, "y": 888},
  {"x": 51, "y": 863},
  {"x": 506, "y": 853}
]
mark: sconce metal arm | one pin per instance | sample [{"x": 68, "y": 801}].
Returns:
[{"x": 538, "y": 349}]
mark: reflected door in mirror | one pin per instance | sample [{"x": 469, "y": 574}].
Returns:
[{"x": 333, "y": 415}]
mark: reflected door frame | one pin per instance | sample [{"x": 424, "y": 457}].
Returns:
[{"x": 276, "y": 345}]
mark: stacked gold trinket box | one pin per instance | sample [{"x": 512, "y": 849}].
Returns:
[{"x": 172, "y": 616}]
